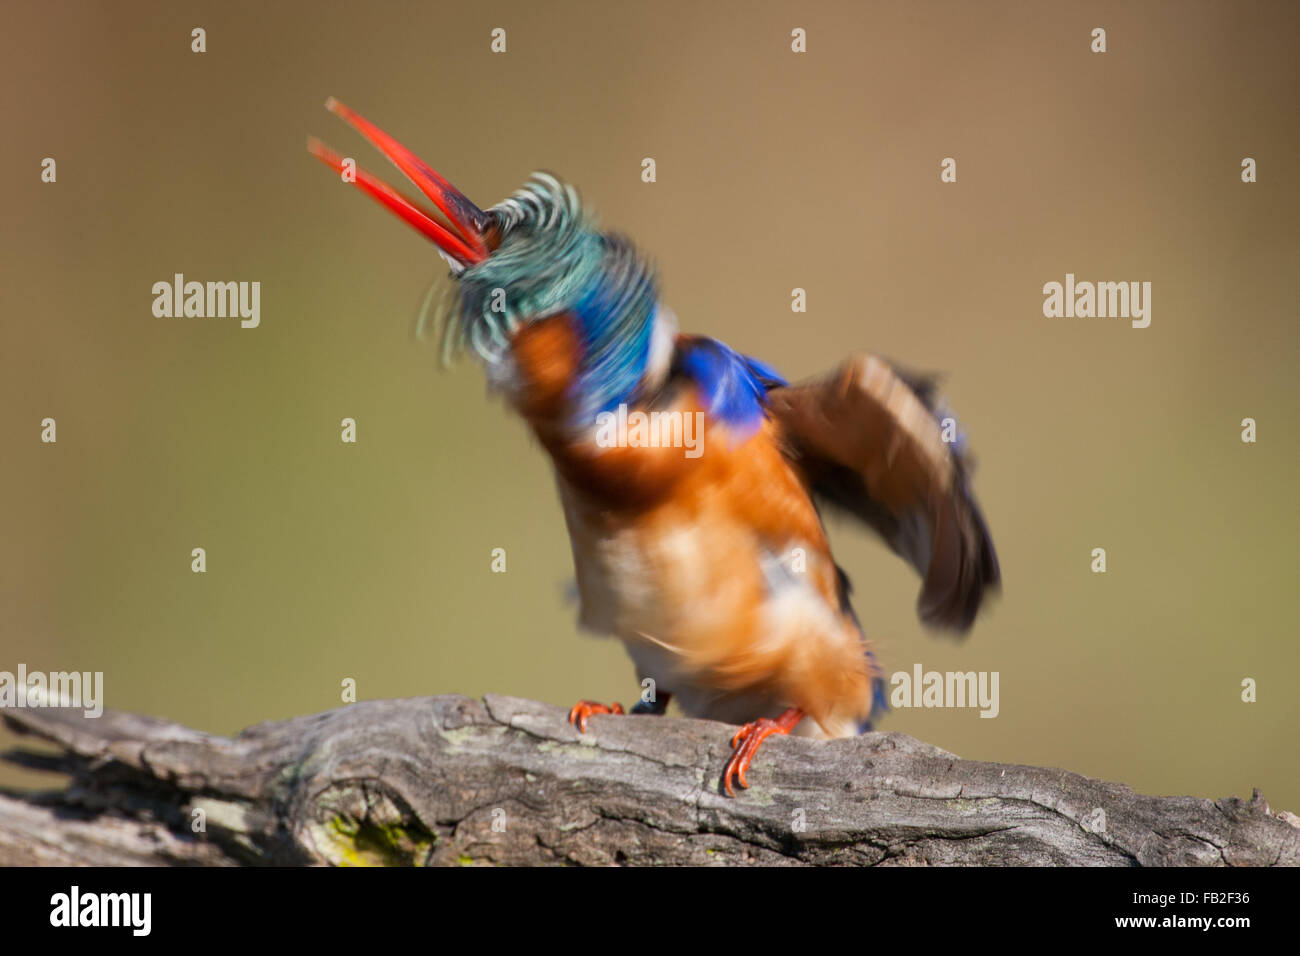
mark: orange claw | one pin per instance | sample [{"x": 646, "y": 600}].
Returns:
[
  {"x": 746, "y": 742},
  {"x": 585, "y": 708}
]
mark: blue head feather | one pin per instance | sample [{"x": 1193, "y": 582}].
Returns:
[{"x": 616, "y": 320}]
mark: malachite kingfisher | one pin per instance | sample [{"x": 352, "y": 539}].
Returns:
[{"x": 710, "y": 563}]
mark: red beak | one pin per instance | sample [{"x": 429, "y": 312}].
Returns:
[{"x": 467, "y": 239}]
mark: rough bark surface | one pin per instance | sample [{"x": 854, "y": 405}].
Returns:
[{"x": 451, "y": 780}]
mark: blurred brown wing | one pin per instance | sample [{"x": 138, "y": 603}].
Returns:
[{"x": 869, "y": 440}]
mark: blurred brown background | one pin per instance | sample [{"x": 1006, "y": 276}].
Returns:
[{"x": 775, "y": 170}]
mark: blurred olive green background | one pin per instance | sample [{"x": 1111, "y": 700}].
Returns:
[{"x": 328, "y": 561}]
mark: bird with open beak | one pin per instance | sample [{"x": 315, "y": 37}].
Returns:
[{"x": 709, "y": 560}]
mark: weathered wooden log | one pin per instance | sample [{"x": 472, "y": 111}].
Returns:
[{"x": 451, "y": 780}]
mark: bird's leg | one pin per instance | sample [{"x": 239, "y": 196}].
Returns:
[
  {"x": 745, "y": 744},
  {"x": 585, "y": 708},
  {"x": 654, "y": 707}
]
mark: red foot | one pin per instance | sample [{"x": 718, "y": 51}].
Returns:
[
  {"x": 745, "y": 744},
  {"x": 585, "y": 708}
]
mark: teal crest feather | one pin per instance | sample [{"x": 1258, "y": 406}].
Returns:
[{"x": 552, "y": 258}]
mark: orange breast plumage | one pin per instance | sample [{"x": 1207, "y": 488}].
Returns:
[{"x": 722, "y": 588}]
